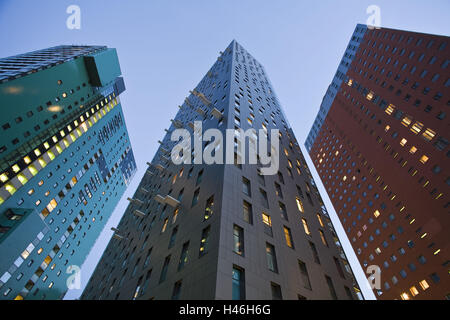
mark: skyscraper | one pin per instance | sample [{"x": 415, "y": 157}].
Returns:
[
  {"x": 65, "y": 160},
  {"x": 380, "y": 145},
  {"x": 226, "y": 231}
]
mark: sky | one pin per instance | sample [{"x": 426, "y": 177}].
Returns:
[{"x": 165, "y": 47}]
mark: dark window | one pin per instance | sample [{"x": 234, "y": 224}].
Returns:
[
  {"x": 331, "y": 287},
  {"x": 238, "y": 283}
]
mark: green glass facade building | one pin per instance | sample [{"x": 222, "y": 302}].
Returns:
[{"x": 65, "y": 161}]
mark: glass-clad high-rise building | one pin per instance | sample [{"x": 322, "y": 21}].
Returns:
[
  {"x": 65, "y": 161},
  {"x": 226, "y": 231}
]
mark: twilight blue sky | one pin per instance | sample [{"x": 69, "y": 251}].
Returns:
[{"x": 165, "y": 47}]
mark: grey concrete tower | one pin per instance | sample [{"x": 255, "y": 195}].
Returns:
[{"x": 224, "y": 231}]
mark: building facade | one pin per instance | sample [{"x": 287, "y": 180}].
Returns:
[
  {"x": 65, "y": 161},
  {"x": 226, "y": 231},
  {"x": 380, "y": 145}
]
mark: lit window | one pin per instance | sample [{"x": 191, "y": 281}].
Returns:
[
  {"x": 350, "y": 82},
  {"x": 424, "y": 285},
  {"x": 42, "y": 162},
  {"x": 51, "y": 155},
  {"x": 404, "y": 296},
  {"x": 403, "y": 142},
  {"x": 322, "y": 237},
  {"x": 33, "y": 170},
  {"x": 406, "y": 121},
  {"x": 299, "y": 205},
  {"x": 390, "y": 109},
  {"x": 387, "y": 128},
  {"x": 165, "y": 225},
  {"x": 320, "y": 220},
  {"x": 27, "y": 159},
  {"x": 37, "y": 152},
  {"x": 10, "y": 188},
  {"x": 22, "y": 178},
  {"x": 3, "y": 177},
  {"x": 414, "y": 291},
  {"x": 266, "y": 219},
  {"x": 16, "y": 168},
  {"x": 46, "y": 145},
  {"x": 417, "y": 127},
  {"x": 424, "y": 159},
  {"x": 412, "y": 150},
  {"x": 428, "y": 134},
  {"x": 376, "y": 213},
  {"x": 288, "y": 237},
  {"x": 370, "y": 95},
  {"x": 305, "y": 226}
]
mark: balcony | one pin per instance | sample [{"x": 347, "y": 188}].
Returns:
[
  {"x": 135, "y": 201},
  {"x": 169, "y": 200}
]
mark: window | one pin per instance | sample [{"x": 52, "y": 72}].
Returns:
[
  {"x": 195, "y": 197},
  {"x": 238, "y": 283},
  {"x": 164, "y": 225},
  {"x": 305, "y": 226},
  {"x": 271, "y": 258},
  {"x": 175, "y": 215},
  {"x": 300, "y": 205},
  {"x": 414, "y": 291},
  {"x": 204, "y": 241},
  {"x": 435, "y": 277},
  {"x": 424, "y": 159},
  {"x": 246, "y": 186},
  {"x": 267, "y": 221},
  {"x": 322, "y": 237},
  {"x": 238, "y": 238},
  {"x": 276, "y": 291},
  {"x": 173, "y": 237},
  {"x": 288, "y": 237},
  {"x": 424, "y": 285},
  {"x": 264, "y": 200},
  {"x": 338, "y": 267},
  {"x": 428, "y": 134},
  {"x": 304, "y": 275},
  {"x": 417, "y": 127},
  {"x": 404, "y": 296},
  {"x": 280, "y": 177},
  {"x": 314, "y": 252},
  {"x": 209, "y": 207},
  {"x": 164, "y": 269},
  {"x": 376, "y": 213},
  {"x": 176, "y": 290},
  {"x": 147, "y": 258},
  {"x": 199, "y": 178},
  {"x": 247, "y": 212},
  {"x": 183, "y": 256},
  {"x": 278, "y": 190},
  {"x": 403, "y": 142},
  {"x": 283, "y": 211},
  {"x": 331, "y": 287}
]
